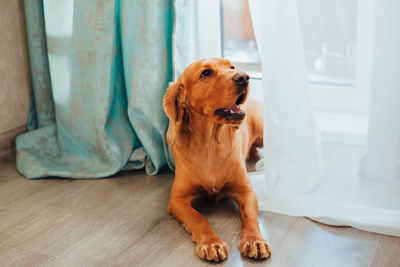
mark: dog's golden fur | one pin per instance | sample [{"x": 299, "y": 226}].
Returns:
[{"x": 210, "y": 151}]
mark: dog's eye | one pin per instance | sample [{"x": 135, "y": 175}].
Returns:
[
  {"x": 206, "y": 73},
  {"x": 232, "y": 67}
]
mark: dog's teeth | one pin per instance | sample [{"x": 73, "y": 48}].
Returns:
[{"x": 231, "y": 111}]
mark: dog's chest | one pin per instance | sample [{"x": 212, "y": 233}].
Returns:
[
  {"x": 216, "y": 165},
  {"x": 211, "y": 163},
  {"x": 213, "y": 181}
]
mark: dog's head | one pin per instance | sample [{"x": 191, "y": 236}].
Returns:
[{"x": 210, "y": 87}]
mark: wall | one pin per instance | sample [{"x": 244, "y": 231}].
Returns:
[{"x": 14, "y": 73}]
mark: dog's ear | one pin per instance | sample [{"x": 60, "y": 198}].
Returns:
[
  {"x": 175, "y": 107},
  {"x": 173, "y": 99}
]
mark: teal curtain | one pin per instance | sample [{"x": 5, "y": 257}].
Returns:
[{"x": 99, "y": 71}]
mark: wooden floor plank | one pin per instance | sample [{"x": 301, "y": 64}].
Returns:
[
  {"x": 308, "y": 243},
  {"x": 388, "y": 252},
  {"x": 11, "y": 256},
  {"x": 122, "y": 221}
]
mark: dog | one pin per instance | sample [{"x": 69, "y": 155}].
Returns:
[{"x": 213, "y": 129}]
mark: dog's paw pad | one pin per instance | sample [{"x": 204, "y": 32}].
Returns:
[
  {"x": 258, "y": 249},
  {"x": 212, "y": 251}
]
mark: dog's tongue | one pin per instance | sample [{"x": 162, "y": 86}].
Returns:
[{"x": 233, "y": 109}]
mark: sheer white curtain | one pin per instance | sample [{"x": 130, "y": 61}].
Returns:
[{"x": 305, "y": 175}]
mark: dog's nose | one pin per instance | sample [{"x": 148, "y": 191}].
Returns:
[{"x": 241, "y": 78}]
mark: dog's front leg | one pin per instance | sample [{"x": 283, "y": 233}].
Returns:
[
  {"x": 252, "y": 244},
  {"x": 209, "y": 245}
]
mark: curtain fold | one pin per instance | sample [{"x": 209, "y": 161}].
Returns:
[
  {"x": 383, "y": 158},
  {"x": 304, "y": 175},
  {"x": 42, "y": 105},
  {"x": 99, "y": 70}
]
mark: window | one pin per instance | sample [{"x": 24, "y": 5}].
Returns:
[
  {"x": 238, "y": 39},
  {"x": 329, "y": 40},
  {"x": 214, "y": 34},
  {"x": 332, "y": 50}
]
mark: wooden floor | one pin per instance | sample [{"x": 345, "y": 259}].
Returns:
[{"x": 122, "y": 221}]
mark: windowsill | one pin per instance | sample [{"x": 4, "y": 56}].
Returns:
[
  {"x": 255, "y": 75},
  {"x": 342, "y": 128}
]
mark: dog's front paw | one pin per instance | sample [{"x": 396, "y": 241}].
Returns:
[
  {"x": 254, "y": 247},
  {"x": 213, "y": 249}
]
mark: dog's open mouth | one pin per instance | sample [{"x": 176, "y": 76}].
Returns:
[{"x": 233, "y": 112}]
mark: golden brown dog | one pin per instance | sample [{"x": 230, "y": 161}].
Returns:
[{"x": 212, "y": 132}]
